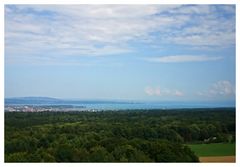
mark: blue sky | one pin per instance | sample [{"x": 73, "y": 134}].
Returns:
[{"x": 136, "y": 52}]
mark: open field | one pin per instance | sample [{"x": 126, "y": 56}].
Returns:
[
  {"x": 218, "y": 159},
  {"x": 214, "y": 149}
]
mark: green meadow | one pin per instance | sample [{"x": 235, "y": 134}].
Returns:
[{"x": 213, "y": 149}]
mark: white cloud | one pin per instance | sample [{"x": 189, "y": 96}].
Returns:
[
  {"x": 102, "y": 11},
  {"x": 228, "y": 8},
  {"x": 193, "y": 9},
  {"x": 151, "y": 91},
  {"x": 85, "y": 30},
  {"x": 223, "y": 88},
  {"x": 206, "y": 31},
  {"x": 183, "y": 58},
  {"x": 99, "y": 30},
  {"x": 178, "y": 93},
  {"x": 210, "y": 39}
]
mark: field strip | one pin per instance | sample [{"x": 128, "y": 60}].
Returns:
[{"x": 218, "y": 159}]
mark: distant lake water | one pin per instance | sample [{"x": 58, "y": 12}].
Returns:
[
  {"x": 145, "y": 105},
  {"x": 134, "y": 105}
]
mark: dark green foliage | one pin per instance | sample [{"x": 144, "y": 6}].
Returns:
[
  {"x": 64, "y": 153},
  {"x": 100, "y": 154},
  {"x": 114, "y": 136},
  {"x": 128, "y": 153}
]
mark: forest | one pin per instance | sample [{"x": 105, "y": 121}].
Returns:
[{"x": 115, "y": 136}]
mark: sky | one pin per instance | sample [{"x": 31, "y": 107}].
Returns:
[{"x": 130, "y": 52}]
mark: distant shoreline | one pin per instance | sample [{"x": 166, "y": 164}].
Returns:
[
  {"x": 52, "y": 104},
  {"x": 70, "y": 108}
]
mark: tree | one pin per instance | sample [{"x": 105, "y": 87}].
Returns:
[
  {"x": 100, "y": 154},
  {"x": 195, "y": 132},
  {"x": 80, "y": 155},
  {"x": 17, "y": 157},
  {"x": 127, "y": 153},
  {"x": 64, "y": 153}
]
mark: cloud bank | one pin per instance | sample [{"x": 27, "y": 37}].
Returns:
[
  {"x": 183, "y": 58},
  {"x": 223, "y": 88},
  {"x": 40, "y": 33},
  {"x": 151, "y": 91}
]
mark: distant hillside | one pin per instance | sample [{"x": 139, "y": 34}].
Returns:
[
  {"x": 49, "y": 100},
  {"x": 32, "y": 100}
]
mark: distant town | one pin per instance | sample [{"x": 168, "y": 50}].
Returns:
[{"x": 46, "y": 108}]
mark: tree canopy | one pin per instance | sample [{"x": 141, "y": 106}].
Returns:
[{"x": 114, "y": 136}]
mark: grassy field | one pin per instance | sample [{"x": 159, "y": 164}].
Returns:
[{"x": 214, "y": 149}]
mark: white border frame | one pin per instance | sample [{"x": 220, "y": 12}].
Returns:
[{"x": 3, "y": 2}]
